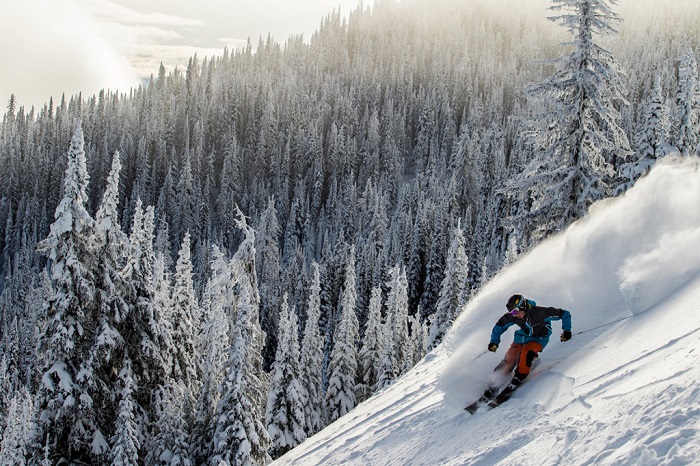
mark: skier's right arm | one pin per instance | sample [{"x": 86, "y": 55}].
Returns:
[{"x": 498, "y": 329}]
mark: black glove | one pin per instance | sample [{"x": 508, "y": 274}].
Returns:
[
  {"x": 565, "y": 336},
  {"x": 493, "y": 347}
]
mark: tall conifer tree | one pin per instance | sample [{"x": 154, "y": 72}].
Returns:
[
  {"x": 68, "y": 420},
  {"x": 580, "y": 142},
  {"x": 372, "y": 345},
  {"x": 126, "y": 444},
  {"x": 342, "y": 369},
  {"x": 312, "y": 357},
  {"x": 452, "y": 289},
  {"x": 285, "y": 404},
  {"x": 397, "y": 357},
  {"x": 688, "y": 103},
  {"x": 240, "y": 437},
  {"x": 184, "y": 321}
]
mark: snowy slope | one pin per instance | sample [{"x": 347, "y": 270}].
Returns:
[{"x": 624, "y": 391}]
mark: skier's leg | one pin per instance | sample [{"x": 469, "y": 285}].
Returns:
[
  {"x": 504, "y": 368},
  {"x": 527, "y": 355},
  {"x": 511, "y": 358}
]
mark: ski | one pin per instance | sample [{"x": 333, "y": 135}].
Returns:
[
  {"x": 472, "y": 408},
  {"x": 491, "y": 399},
  {"x": 485, "y": 398},
  {"x": 502, "y": 397}
]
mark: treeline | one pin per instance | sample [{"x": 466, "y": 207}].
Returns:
[{"x": 364, "y": 183}]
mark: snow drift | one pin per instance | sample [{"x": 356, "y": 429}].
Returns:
[{"x": 622, "y": 391}]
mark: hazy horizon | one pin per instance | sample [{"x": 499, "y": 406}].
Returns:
[
  {"x": 58, "y": 47},
  {"x": 71, "y": 46}
]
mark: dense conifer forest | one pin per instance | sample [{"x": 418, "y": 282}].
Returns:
[{"x": 213, "y": 266}]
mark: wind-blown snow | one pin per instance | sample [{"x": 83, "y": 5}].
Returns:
[{"x": 623, "y": 391}]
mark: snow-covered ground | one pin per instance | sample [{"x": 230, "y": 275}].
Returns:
[{"x": 623, "y": 391}]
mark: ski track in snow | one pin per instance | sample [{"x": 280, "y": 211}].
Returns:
[{"x": 623, "y": 391}]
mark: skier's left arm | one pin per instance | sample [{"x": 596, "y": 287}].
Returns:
[{"x": 565, "y": 317}]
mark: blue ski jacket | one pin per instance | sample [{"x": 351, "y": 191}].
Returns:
[{"x": 536, "y": 326}]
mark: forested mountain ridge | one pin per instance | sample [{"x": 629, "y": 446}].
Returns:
[{"x": 370, "y": 150}]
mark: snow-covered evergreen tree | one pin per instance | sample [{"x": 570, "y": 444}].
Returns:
[
  {"x": 579, "y": 140},
  {"x": 107, "y": 231},
  {"x": 184, "y": 319},
  {"x": 218, "y": 307},
  {"x": 145, "y": 330},
  {"x": 372, "y": 345},
  {"x": 162, "y": 305},
  {"x": 417, "y": 257},
  {"x": 185, "y": 205},
  {"x": 434, "y": 269},
  {"x": 125, "y": 442},
  {"x": 112, "y": 310},
  {"x": 688, "y": 104},
  {"x": 342, "y": 369},
  {"x": 8, "y": 386},
  {"x": 240, "y": 437},
  {"x": 652, "y": 136},
  {"x": 312, "y": 357},
  {"x": 183, "y": 379},
  {"x": 267, "y": 257},
  {"x": 170, "y": 444},
  {"x": 397, "y": 357},
  {"x": 110, "y": 244},
  {"x": 452, "y": 289},
  {"x": 9, "y": 370},
  {"x": 19, "y": 429},
  {"x": 388, "y": 369},
  {"x": 286, "y": 420},
  {"x": 397, "y": 307},
  {"x": 68, "y": 420},
  {"x": 419, "y": 339},
  {"x": 654, "y": 130}
]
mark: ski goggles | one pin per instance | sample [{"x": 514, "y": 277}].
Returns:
[
  {"x": 515, "y": 302},
  {"x": 515, "y": 311}
]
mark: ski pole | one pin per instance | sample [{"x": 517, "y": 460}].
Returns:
[
  {"x": 478, "y": 356},
  {"x": 604, "y": 325}
]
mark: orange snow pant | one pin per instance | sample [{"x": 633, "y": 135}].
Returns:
[{"x": 521, "y": 356}]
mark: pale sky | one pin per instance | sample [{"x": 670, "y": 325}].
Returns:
[{"x": 51, "y": 47}]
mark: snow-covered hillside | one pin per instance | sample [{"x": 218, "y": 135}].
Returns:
[{"x": 623, "y": 391}]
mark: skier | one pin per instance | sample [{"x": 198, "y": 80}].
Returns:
[{"x": 529, "y": 340}]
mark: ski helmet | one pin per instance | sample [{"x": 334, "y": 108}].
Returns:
[{"x": 517, "y": 301}]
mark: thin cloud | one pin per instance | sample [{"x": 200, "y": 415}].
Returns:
[
  {"x": 56, "y": 47},
  {"x": 145, "y": 60},
  {"x": 112, "y": 11},
  {"x": 148, "y": 39}
]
